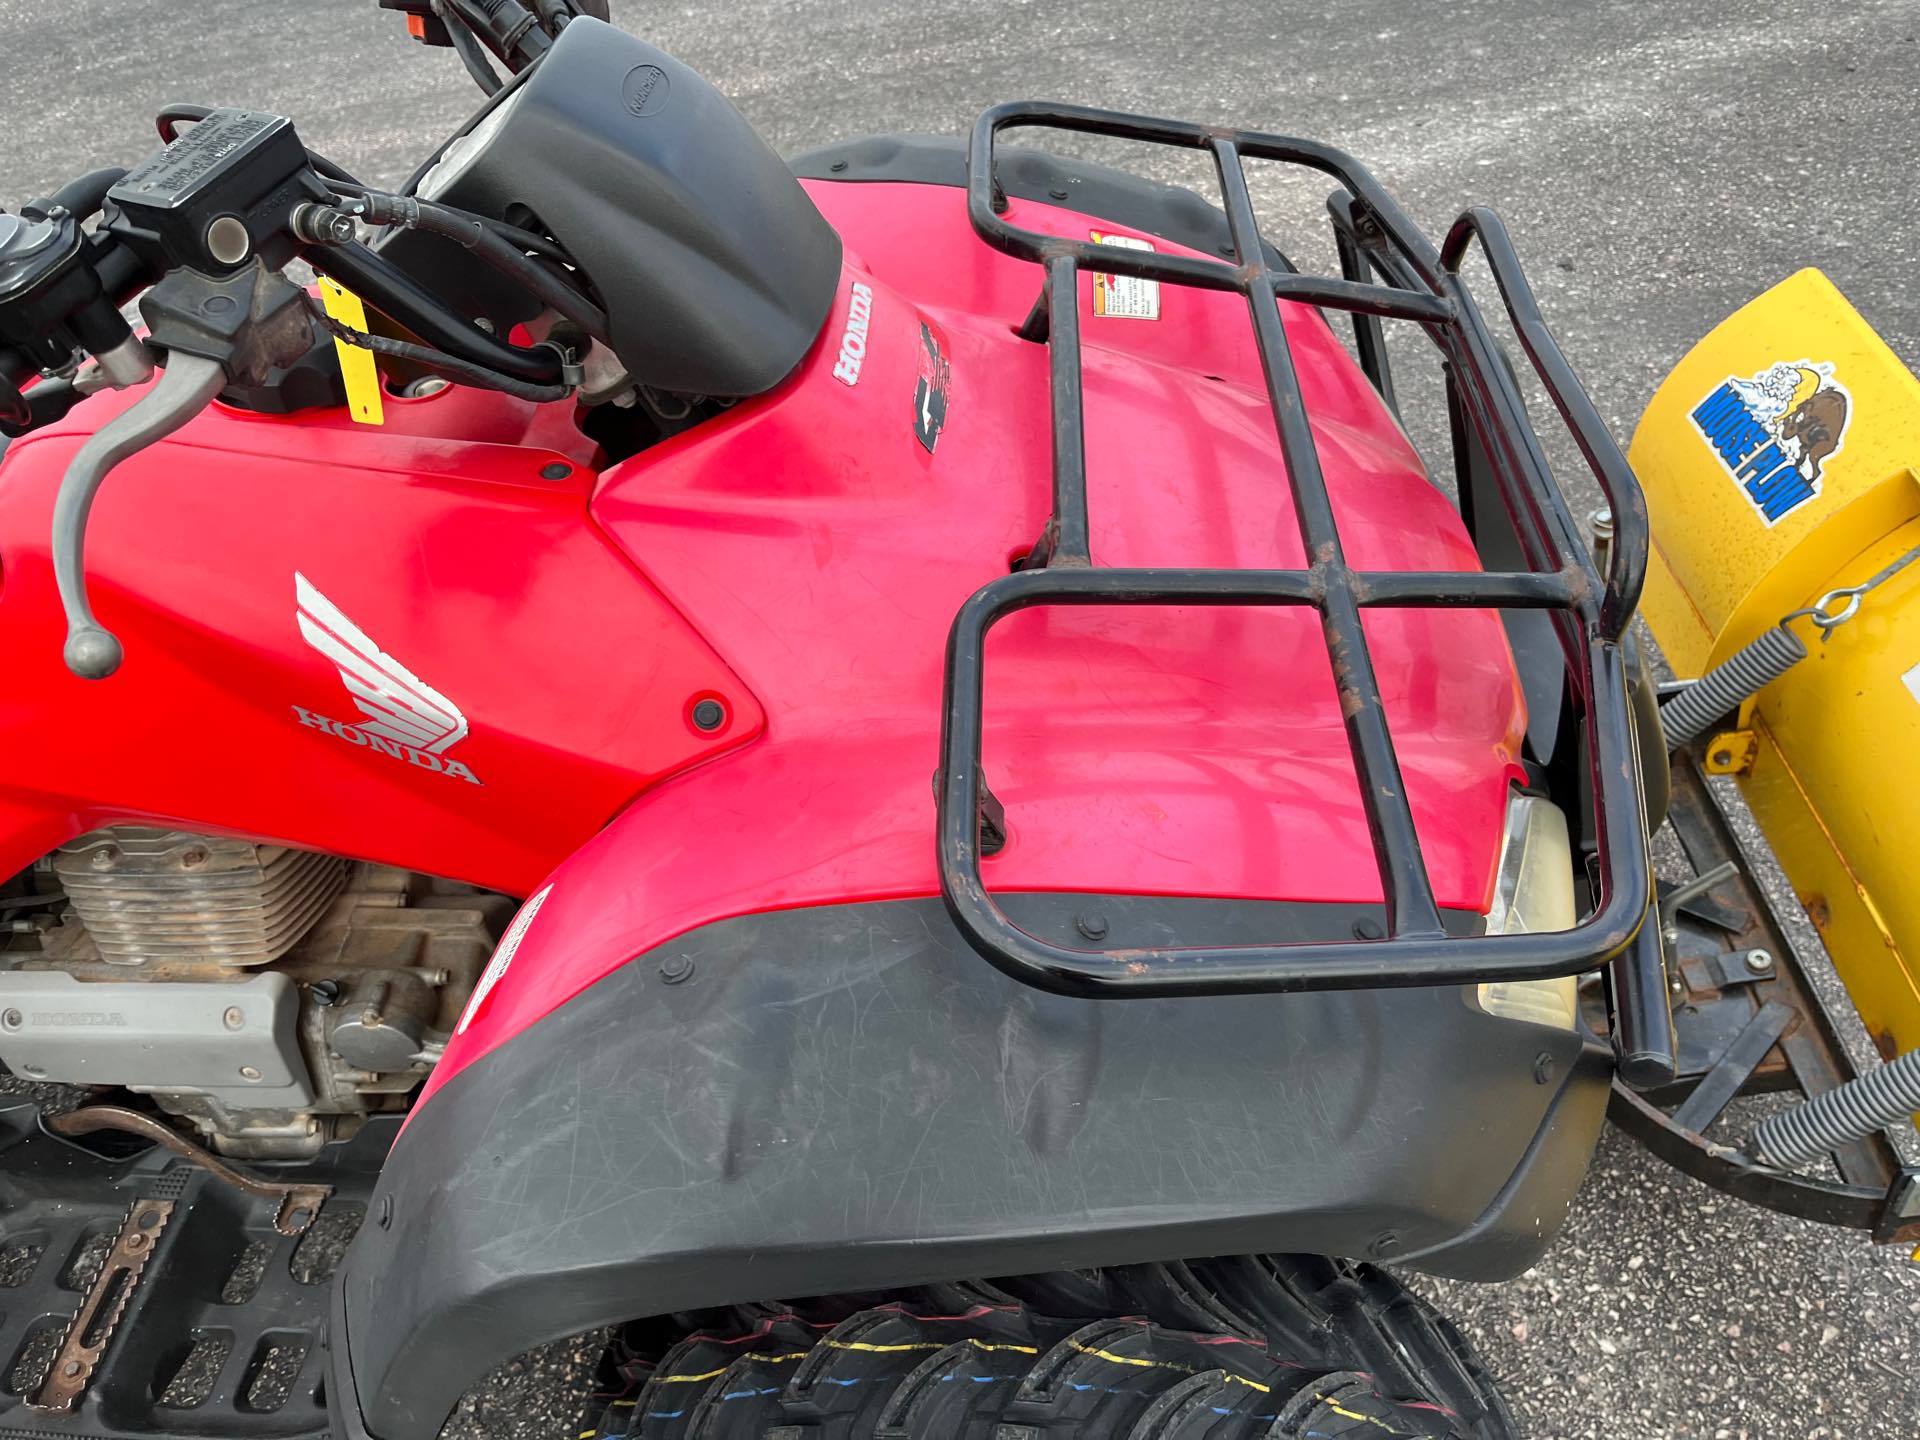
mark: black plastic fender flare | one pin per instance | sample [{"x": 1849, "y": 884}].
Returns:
[{"x": 848, "y": 1098}]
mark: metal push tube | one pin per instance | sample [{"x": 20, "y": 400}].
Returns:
[{"x": 1561, "y": 579}]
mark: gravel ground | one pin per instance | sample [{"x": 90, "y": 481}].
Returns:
[{"x": 1658, "y": 164}]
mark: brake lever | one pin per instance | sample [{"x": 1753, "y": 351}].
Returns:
[
  {"x": 216, "y": 330},
  {"x": 185, "y": 388}
]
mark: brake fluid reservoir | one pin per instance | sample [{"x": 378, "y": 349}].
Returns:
[{"x": 1781, "y": 461}]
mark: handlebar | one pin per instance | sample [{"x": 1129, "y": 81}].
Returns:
[{"x": 208, "y": 223}]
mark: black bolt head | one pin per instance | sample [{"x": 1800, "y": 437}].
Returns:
[{"x": 709, "y": 715}]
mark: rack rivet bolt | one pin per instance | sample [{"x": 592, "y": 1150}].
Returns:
[
  {"x": 555, "y": 470},
  {"x": 1369, "y": 929},
  {"x": 1542, "y": 1068},
  {"x": 1384, "y": 1244},
  {"x": 249, "y": 1072},
  {"x": 1759, "y": 961},
  {"x": 675, "y": 968},
  {"x": 386, "y": 1211},
  {"x": 709, "y": 715},
  {"x": 1092, "y": 924},
  {"x": 234, "y": 1018}
]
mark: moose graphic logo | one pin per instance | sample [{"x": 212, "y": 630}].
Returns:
[{"x": 1775, "y": 431}]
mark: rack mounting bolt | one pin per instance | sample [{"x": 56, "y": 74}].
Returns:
[{"x": 1759, "y": 961}]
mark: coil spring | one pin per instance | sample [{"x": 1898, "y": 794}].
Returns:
[
  {"x": 1851, "y": 1112},
  {"x": 1699, "y": 707}
]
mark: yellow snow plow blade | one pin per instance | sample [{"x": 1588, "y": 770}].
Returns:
[{"x": 1781, "y": 461}]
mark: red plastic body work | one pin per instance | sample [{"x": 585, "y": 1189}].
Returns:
[
  {"x": 1175, "y": 751},
  {"x": 801, "y": 559},
  {"x": 439, "y": 538}
]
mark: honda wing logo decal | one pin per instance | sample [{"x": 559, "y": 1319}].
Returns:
[{"x": 400, "y": 714}]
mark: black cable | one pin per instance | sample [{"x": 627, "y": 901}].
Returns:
[
  {"x": 467, "y": 46},
  {"x": 480, "y": 235},
  {"x": 414, "y": 307},
  {"x": 525, "y": 239},
  {"x": 508, "y": 28},
  {"x": 438, "y": 361}
]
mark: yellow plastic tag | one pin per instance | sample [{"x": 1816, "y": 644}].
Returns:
[{"x": 356, "y": 365}]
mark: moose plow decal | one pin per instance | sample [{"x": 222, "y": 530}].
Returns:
[
  {"x": 1775, "y": 431},
  {"x": 400, "y": 714}
]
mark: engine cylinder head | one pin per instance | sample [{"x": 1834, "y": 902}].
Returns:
[{"x": 148, "y": 896}]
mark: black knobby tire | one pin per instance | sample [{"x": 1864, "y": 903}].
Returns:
[{"x": 1261, "y": 1347}]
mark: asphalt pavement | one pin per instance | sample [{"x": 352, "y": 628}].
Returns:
[{"x": 1658, "y": 164}]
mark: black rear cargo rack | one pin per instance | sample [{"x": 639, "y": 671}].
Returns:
[{"x": 1390, "y": 270}]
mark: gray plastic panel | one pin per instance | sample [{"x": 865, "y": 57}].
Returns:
[{"x": 157, "y": 1035}]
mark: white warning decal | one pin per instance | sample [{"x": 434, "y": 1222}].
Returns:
[
  {"x": 502, "y": 956},
  {"x": 1121, "y": 297},
  {"x": 1912, "y": 681}
]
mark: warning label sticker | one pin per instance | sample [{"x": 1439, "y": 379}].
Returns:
[{"x": 1120, "y": 297}]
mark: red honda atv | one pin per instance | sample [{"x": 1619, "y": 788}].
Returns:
[{"x": 1017, "y": 778}]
